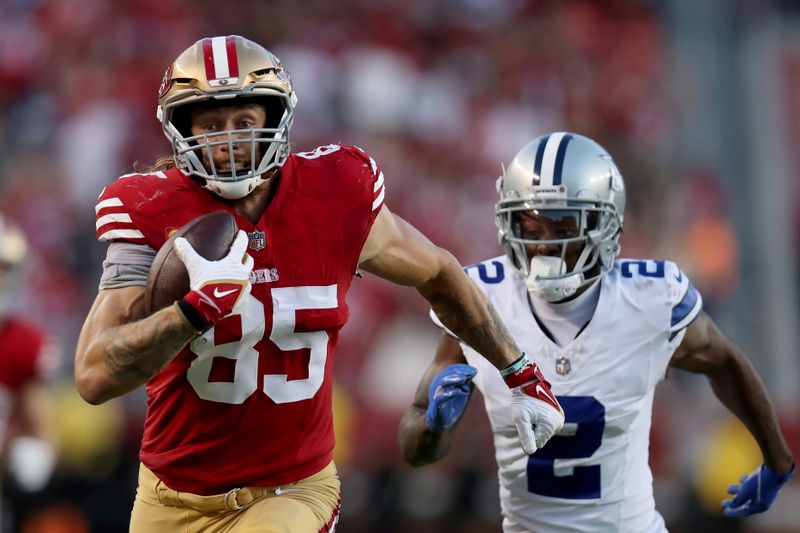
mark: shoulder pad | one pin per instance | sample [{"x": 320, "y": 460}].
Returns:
[
  {"x": 119, "y": 200},
  {"x": 489, "y": 272}
]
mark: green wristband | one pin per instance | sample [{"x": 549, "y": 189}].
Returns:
[{"x": 516, "y": 365}]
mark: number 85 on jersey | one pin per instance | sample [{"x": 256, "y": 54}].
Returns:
[{"x": 286, "y": 301}]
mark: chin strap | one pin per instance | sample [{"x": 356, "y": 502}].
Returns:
[
  {"x": 587, "y": 251},
  {"x": 551, "y": 290},
  {"x": 233, "y": 190},
  {"x": 554, "y": 290}
]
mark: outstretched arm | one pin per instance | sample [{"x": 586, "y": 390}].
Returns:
[
  {"x": 424, "y": 431},
  {"x": 706, "y": 350},
  {"x": 396, "y": 251}
]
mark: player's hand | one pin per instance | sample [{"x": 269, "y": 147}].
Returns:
[
  {"x": 534, "y": 408},
  {"x": 447, "y": 397},
  {"x": 217, "y": 287},
  {"x": 756, "y": 492}
]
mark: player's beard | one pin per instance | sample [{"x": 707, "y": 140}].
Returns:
[{"x": 224, "y": 166}]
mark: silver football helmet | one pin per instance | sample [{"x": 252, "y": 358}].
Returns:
[
  {"x": 13, "y": 249},
  {"x": 227, "y": 69},
  {"x": 563, "y": 177}
]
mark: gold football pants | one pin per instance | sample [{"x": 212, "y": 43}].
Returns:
[{"x": 310, "y": 505}]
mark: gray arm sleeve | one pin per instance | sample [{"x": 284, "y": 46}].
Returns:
[{"x": 126, "y": 265}]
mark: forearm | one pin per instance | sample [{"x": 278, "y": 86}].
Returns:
[
  {"x": 419, "y": 445},
  {"x": 465, "y": 310},
  {"x": 121, "y": 358},
  {"x": 738, "y": 387}
]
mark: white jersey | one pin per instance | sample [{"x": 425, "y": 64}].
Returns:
[{"x": 594, "y": 475}]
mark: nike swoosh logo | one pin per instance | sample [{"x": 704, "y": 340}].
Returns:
[
  {"x": 679, "y": 277},
  {"x": 220, "y": 294},
  {"x": 279, "y": 491},
  {"x": 541, "y": 390}
]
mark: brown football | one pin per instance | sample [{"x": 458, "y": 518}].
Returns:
[{"x": 210, "y": 235}]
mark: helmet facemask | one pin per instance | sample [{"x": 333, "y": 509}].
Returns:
[
  {"x": 585, "y": 232},
  {"x": 268, "y": 146}
]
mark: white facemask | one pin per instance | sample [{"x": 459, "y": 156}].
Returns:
[{"x": 551, "y": 290}]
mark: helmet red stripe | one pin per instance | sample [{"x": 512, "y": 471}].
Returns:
[
  {"x": 233, "y": 62},
  {"x": 208, "y": 57}
]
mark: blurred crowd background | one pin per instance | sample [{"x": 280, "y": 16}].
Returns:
[{"x": 699, "y": 102}]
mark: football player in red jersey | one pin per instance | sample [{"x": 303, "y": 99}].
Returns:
[
  {"x": 239, "y": 429},
  {"x": 28, "y": 359}
]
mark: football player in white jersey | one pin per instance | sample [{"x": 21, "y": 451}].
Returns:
[{"x": 609, "y": 328}]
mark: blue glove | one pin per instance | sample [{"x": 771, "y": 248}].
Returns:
[
  {"x": 447, "y": 396},
  {"x": 756, "y": 492}
]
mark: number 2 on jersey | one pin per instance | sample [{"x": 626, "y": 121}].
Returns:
[
  {"x": 588, "y": 416},
  {"x": 285, "y": 302}
]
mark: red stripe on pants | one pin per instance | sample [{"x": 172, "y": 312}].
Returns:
[{"x": 331, "y": 525}]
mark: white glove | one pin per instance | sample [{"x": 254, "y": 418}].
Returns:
[
  {"x": 534, "y": 408},
  {"x": 217, "y": 287}
]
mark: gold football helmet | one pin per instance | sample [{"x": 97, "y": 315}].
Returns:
[
  {"x": 220, "y": 69},
  {"x": 572, "y": 181}
]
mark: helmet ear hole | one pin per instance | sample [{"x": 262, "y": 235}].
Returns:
[
  {"x": 181, "y": 119},
  {"x": 275, "y": 110}
]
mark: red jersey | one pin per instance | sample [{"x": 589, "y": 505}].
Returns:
[
  {"x": 27, "y": 355},
  {"x": 249, "y": 402}
]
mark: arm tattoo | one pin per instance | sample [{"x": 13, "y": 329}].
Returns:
[
  {"x": 465, "y": 315},
  {"x": 137, "y": 351},
  {"x": 496, "y": 328}
]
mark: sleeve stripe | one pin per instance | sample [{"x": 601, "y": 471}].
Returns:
[
  {"x": 120, "y": 234},
  {"x": 379, "y": 200},
  {"x": 113, "y": 217},
  {"x": 698, "y": 306},
  {"x": 109, "y": 202},
  {"x": 378, "y": 183},
  {"x": 687, "y": 309},
  {"x": 374, "y": 165}
]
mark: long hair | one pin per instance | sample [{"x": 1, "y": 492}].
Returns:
[{"x": 165, "y": 162}]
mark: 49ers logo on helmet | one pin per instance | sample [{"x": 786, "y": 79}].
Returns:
[
  {"x": 165, "y": 82},
  {"x": 280, "y": 72}
]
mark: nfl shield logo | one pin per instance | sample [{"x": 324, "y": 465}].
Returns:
[
  {"x": 563, "y": 366},
  {"x": 257, "y": 240}
]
